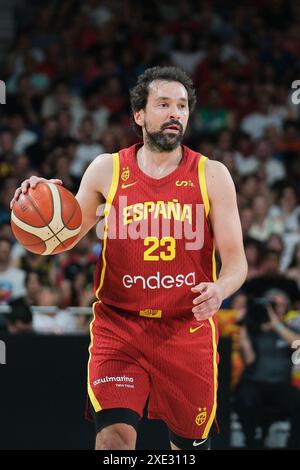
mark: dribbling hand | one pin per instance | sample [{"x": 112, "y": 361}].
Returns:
[{"x": 31, "y": 183}]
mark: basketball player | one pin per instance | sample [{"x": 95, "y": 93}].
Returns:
[{"x": 154, "y": 332}]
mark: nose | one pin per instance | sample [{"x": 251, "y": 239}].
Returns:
[{"x": 174, "y": 112}]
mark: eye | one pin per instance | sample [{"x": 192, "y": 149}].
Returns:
[{"x": 163, "y": 105}]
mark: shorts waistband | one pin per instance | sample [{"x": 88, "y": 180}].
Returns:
[{"x": 151, "y": 313}]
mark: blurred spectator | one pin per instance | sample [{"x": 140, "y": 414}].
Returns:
[
  {"x": 266, "y": 381},
  {"x": 28, "y": 88},
  {"x": 21, "y": 167},
  {"x": 19, "y": 321},
  {"x": 214, "y": 116},
  {"x": 246, "y": 216},
  {"x": 65, "y": 125},
  {"x": 249, "y": 187},
  {"x": 38, "y": 151},
  {"x": 244, "y": 104},
  {"x": 246, "y": 162},
  {"x": 87, "y": 150},
  {"x": 256, "y": 123},
  {"x": 253, "y": 251},
  {"x": 43, "y": 265},
  {"x": 62, "y": 165},
  {"x": 288, "y": 144},
  {"x": 77, "y": 273},
  {"x": 100, "y": 114},
  {"x": 49, "y": 319},
  {"x": 185, "y": 54},
  {"x": 263, "y": 224},
  {"x": 227, "y": 158},
  {"x": 61, "y": 99},
  {"x": 287, "y": 211},
  {"x": 8, "y": 188},
  {"x": 12, "y": 279},
  {"x": 7, "y": 154},
  {"x": 17, "y": 249},
  {"x": 293, "y": 271},
  {"x": 272, "y": 168},
  {"x": 20, "y": 318},
  {"x": 113, "y": 99},
  {"x": 272, "y": 278},
  {"x": 23, "y": 137},
  {"x": 275, "y": 243},
  {"x": 229, "y": 318},
  {"x": 238, "y": 302},
  {"x": 97, "y": 12}
]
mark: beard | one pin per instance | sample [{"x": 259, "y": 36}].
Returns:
[{"x": 163, "y": 141}]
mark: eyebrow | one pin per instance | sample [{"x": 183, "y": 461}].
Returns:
[{"x": 165, "y": 98}]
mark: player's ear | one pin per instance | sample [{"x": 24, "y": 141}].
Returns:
[{"x": 139, "y": 117}]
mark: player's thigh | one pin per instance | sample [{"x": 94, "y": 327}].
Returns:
[
  {"x": 116, "y": 379},
  {"x": 184, "y": 382}
]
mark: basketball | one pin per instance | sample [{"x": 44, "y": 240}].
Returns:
[{"x": 47, "y": 219}]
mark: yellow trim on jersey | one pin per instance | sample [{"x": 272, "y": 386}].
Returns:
[
  {"x": 215, "y": 369},
  {"x": 109, "y": 201},
  {"x": 214, "y": 267},
  {"x": 202, "y": 183},
  {"x": 94, "y": 401},
  {"x": 215, "y": 365},
  {"x": 204, "y": 193},
  {"x": 108, "y": 204}
]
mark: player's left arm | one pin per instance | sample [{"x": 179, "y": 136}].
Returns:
[{"x": 225, "y": 222}]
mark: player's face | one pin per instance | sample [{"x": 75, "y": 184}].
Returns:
[{"x": 166, "y": 115}]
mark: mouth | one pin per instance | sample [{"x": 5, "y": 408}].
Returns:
[{"x": 173, "y": 128}]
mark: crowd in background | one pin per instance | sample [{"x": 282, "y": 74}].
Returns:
[{"x": 68, "y": 74}]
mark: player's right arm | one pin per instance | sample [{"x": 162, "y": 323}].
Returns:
[{"x": 92, "y": 192}]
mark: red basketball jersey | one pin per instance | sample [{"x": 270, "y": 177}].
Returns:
[{"x": 158, "y": 242}]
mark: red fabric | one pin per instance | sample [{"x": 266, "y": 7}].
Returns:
[
  {"x": 134, "y": 357},
  {"x": 157, "y": 284}
]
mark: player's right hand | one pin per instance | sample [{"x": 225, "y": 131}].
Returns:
[{"x": 31, "y": 183}]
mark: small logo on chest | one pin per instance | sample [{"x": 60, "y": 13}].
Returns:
[
  {"x": 128, "y": 184},
  {"x": 125, "y": 173},
  {"x": 184, "y": 183}
]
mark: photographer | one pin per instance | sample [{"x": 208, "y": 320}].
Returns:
[{"x": 266, "y": 381}]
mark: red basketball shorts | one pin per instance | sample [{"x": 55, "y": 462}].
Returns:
[{"x": 173, "y": 361}]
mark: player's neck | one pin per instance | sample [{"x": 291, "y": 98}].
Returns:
[{"x": 158, "y": 163}]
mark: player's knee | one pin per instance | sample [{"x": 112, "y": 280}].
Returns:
[
  {"x": 189, "y": 444},
  {"x": 118, "y": 436}
]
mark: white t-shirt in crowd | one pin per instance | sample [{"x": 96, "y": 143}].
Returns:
[{"x": 12, "y": 284}]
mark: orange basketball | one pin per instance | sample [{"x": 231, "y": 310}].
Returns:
[{"x": 47, "y": 219}]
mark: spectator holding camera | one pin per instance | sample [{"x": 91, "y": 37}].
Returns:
[
  {"x": 265, "y": 384},
  {"x": 270, "y": 277}
]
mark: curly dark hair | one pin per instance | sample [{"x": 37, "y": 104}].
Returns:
[{"x": 139, "y": 93}]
